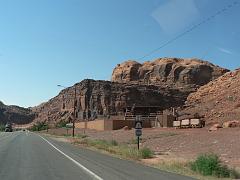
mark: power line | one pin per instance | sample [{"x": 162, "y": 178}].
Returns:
[{"x": 195, "y": 26}]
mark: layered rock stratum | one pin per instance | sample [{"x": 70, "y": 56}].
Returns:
[
  {"x": 165, "y": 83},
  {"x": 105, "y": 97}
]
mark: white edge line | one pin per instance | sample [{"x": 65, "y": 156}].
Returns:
[{"x": 92, "y": 174}]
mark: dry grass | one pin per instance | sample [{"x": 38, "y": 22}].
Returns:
[{"x": 121, "y": 150}]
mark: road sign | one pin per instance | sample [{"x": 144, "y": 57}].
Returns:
[
  {"x": 138, "y": 128},
  {"x": 69, "y": 125},
  {"x": 138, "y": 122},
  {"x": 138, "y": 125},
  {"x": 138, "y": 132}
]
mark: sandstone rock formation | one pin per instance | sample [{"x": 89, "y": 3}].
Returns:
[
  {"x": 168, "y": 71},
  {"x": 15, "y": 114},
  {"x": 105, "y": 97},
  {"x": 218, "y": 101},
  {"x": 163, "y": 83}
]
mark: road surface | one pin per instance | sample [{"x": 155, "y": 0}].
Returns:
[{"x": 28, "y": 156}]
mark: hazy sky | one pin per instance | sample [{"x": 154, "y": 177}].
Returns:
[{"x": 48, "y": 42}]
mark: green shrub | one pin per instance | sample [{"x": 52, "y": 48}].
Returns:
[
  {"x": 206, "y": 164},
  {"x": 146, "y": 153},
  {"x": 61, "y": 124},
  {"x": 210, "y": 165},
  {"x": 39, "y": 126}
]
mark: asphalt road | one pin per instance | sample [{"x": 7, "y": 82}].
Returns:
[{"x": 28, "y": 156}]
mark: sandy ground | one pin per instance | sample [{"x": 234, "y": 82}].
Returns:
[{"x": 182, "y": 144}]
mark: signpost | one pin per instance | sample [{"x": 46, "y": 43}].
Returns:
[
  {"x": 69, "y": 126},
  {"x": 138, "y": 129}
]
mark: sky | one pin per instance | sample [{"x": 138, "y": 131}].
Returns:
[{"x": 44, "y": 43}]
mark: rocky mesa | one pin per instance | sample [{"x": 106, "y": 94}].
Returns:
[
  {"x": 162, "y": 83},
  {"x": 168, "y": 71}
]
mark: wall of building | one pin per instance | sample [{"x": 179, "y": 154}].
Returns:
[
  {"x": 96, "y": 125},
  {"x": 107, "y": 125}
]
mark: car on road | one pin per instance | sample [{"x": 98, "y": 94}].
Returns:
[{"x": 8, "y": 127}]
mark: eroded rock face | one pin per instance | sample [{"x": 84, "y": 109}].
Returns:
[
  {"x": 170, "y": 71},
  {"x": 105, "y": 97},
  {"x": 165, "y": 83},
  {"x": 218, "y": 101},
  {"x": 15, "y": 114}
]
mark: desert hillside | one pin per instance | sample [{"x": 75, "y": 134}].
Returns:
[
  {"x": 219, "y": 100},
  {"x": 15, "y": 114}
]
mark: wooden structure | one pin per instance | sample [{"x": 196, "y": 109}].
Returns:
[
  {"x": 147, "y": 113},
  {"x": 164, "y": 120}
]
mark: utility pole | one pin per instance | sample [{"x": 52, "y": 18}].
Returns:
[{"x": 74, "y": 110}]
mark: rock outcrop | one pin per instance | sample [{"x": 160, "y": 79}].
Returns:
[
  {"x": 107, "y": 98},
  {"x": 218, "y": 101},
  {"x": 162, "y": 83},
  {"x": 168, "y": 71},
  {"x": 15, "y": 114}
]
